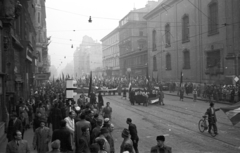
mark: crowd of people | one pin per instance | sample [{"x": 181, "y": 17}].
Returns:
[{"x": 82, "y": 126}]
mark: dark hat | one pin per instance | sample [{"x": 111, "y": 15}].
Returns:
[
  {"x": 161, "y": 138},
  {"x": 125, "y": 132},
  {"x": 104, "y": 130}
]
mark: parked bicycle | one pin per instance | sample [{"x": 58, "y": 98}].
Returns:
[{"x": 203, "y": 126}]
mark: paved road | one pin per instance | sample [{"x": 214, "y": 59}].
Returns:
[{"x": 178, "y": 121}]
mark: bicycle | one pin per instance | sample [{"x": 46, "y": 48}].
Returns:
[{"x": 203, "y": 126}]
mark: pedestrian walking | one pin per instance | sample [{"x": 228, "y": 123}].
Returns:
[
  {"x": 14, "y": 125},
  {"x": 78, "y": 132},
  {"x": 107, "y": 111},
  {"x": 100, "y": 103},
  {"x": 83, "y": 141},
  {"x": 17, "y": 144},
  {"x": 161, "y": 147},
  {"x": 195, "y": 95},
  {"x": 70, "y": 125},
  {"x": 64, "y": 135},
  {"x": 103, "y": 135},
  {"x": 96, "y": 131},
  {"x": 41, "y": 138},
  {"x": 55, "y": 117},
  {"x": 126, "y": 141},
  {"x": 181, "y": 93},
  {"x": 134, "y": 135}
]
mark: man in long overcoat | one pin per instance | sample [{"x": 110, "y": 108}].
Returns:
[
  {"x": 78, "y": 132},
  {"x": 56, "y": 117},
  {"x": 13, "y": 125},
  {"x": 42, "y": 137}
]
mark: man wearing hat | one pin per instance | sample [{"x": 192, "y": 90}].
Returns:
[
  {"x": 126, "y": 140},
  {"x": 56, "y": 145},
  {"x": 212, "y": 119},
  {"x": 107, "y": 111},
  {"x": 13, "y": 125},
  {"x": 161, "y": 147},
  {"x": 78, "y": 132},
  {"x": 103, "y": 135},
  {"x": 42, "y": 137},
  {"x": 96, "y": 131},
  {"x": 133, "y": 132},
  {"x": 64, "y": 135}
]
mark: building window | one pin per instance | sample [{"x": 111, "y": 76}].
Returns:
[
  {"x": 185, "y": 28},
  {"x": 154, "y": 46},
  {"x": 186, "y": 59},
  {"x": 214, "y": 59},
  {"x": 140, "y": 33},
  {"x": 213, "y": 18},
  {"x": 167, "y": 35},
  {"x": 39, "y": 17},
  {"x": 154, "y": 63},
  {"x": 168, "y": 62}
]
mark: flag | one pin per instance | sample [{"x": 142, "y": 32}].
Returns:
[
  {"x": 233, "y": 113},
  {"x": 90, "y": 85},
  {"x": 181, "y": 79},
  {"x": 129, "y": 86},
  {"x": 63, "y": 76}
]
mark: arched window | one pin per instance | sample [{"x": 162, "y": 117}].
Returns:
[
  {"x": 186, "y": 59},
  {"x": 154, "y": 46},
  {"x": 213, "y": 18},
  {"x": 154, "y": 63},
  {"x": 167, "y": 35},
  {"x": 185, "y": 28},
  {"x": 168, "y": 62}
]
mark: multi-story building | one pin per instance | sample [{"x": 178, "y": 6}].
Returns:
[
  {"x": 199, "y": 38},
  {"x": 110, "y": 51},
  {"x": 42, "y": 42},
  {"x": 17, "y": 44},
  {"x": 133, "y": 41},
  {"x": 87, "y": 57}
]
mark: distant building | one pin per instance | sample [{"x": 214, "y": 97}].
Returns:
[
  {"x": 199, "y": 38},
  {"x": 110, "y": 52},
  {"x": 87, "y": 57},
  {"x": 133, "y": 41}
]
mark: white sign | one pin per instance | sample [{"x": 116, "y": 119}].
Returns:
[{"x": 236, "y": 79}]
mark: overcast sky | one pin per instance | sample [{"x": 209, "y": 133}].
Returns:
[{"x": 65, "y": 16}]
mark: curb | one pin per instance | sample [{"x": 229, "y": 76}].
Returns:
[{"x": 221, "y": 102}]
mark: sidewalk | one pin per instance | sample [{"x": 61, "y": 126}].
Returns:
[
  {"x": 190, "y": 96},
  {"x": 28, "y": 135}
]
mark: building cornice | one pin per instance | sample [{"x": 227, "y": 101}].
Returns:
[
  {"x": 110, "y": 34},
  {"x": 161, "y": 7}
]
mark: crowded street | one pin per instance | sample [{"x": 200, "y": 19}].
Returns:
[{"x": 177, "y": 121}]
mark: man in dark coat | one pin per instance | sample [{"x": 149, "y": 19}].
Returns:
[
  {"x": 212, "y": 119},
  {"x": 64, "y": 136},
  {"x": 133, "y": 132},
  {"x": 100, "y": 102},
  {"x": 56, "y": 117},
  {"x": 96, "y": 131},
  {"x": 161, "y": 147},
  {"x": 14, "y": 125}
]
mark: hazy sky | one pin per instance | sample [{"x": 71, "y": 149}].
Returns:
[{"x": 65, "y": 16}]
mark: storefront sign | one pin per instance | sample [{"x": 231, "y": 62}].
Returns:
[
  {"x": 42, "y": 76},
  {"x": 29, "y": 54}
]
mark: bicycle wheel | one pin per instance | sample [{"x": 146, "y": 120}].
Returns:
[{"x": 201, "y": 125}]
